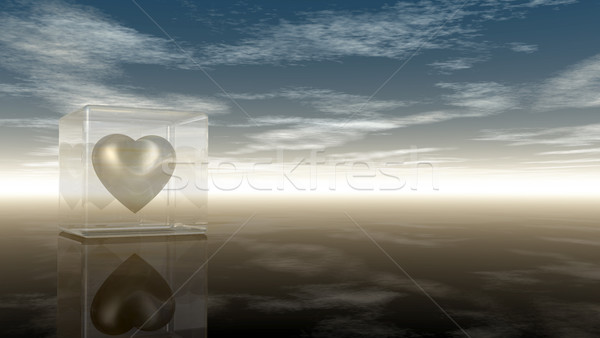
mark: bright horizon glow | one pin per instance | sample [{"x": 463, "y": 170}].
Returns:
[{"x": 356, "y": 183}]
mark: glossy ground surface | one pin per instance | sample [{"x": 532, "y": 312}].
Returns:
[{"x": 352, "y": 267}]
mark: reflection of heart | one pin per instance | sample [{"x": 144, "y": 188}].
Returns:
[
  {"x": 133, "y": 171},
  {"x": 134, "y": 295}
]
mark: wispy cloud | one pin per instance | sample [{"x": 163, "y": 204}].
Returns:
[
  {"x": 329, "y": 101},
  {"x": 360, "y": 305},
  {"x": 481, "y": 98},
  {"x": 48, "y": 123},
  {"x": 407, "y": 239},
  {"x": 563, "y": 161},
  {"x": 501, "y": 278},
  {"x": 328, "y": 296},
  {"x": 521, "y": 47},
  {"x": 14, "y": 90},
  {"x": 501, "y": 10},
  {"x": 316, "y": 133},
  {"x": 536, "y": 3},
  {"x": 395, "y": 154},
  {"x": 68, "y": 54},
  {"x": 392, "y": 32},
  {"x": 572, "y": 152},
  {"x": 576, "y": 87},
  {"x": 302, "y": 133},
  {"x": 573, "y": 136},
  {"x": 73, "y": 55},
  {"x": 452, "y": 65},
  {"x": 311, "y": 134},
  {"x": 298, "y": 258},
  {"x": 583, "y": 270}
]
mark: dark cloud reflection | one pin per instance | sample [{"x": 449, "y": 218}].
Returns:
[{"x": 316, "y": 276}]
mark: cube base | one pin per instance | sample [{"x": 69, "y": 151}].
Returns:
[{"x": 110, "y": 232}]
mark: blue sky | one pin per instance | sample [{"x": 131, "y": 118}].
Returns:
[{"x": 486, "y": 86}]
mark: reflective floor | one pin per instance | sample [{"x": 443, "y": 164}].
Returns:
[{"x": 307, "y": 267}]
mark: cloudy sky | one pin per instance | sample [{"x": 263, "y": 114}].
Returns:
[{"x": 488, "y": 91}]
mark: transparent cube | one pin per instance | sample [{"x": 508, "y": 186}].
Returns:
[
  {"x": 126, "y": 171},
  {"x": 148, "y": 286}
]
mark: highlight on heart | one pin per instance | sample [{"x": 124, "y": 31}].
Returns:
[{"x": 134, "y": 172}]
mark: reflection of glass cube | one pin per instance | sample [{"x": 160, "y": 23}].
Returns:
[
  {"x": 113, "y": 286},
  {"x": 125, "y": 170}
]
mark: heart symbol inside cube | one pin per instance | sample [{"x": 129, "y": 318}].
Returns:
[{"x": 134, "y": 172}]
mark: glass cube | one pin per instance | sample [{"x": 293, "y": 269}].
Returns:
[
  {"x": 125, "y": 171},
  {"x": 148, "y": 286}
]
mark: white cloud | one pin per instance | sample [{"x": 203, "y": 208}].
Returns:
[
  {"x": 68, "y": 54},
  {"x": 565, "y": 168},
  {"x": 329, "y": 101},
  {"x": 520, "y": 47},
  {"x": 49, "y": 164},
  {"x": 304, "y": 133},
  {"x": 392, "y": 32},
  {"x": 563, "y": 161},
  {"x": 14, "y": 90},
  {"x": 481, "y": 98},
  {"x": 312, "y": 134},
  {"x": 573, "y": 136},
  {"x": 57, "y": 34},
  {"x": 451, "y": 65},
  {"x": 536, "y": 3},
  {"x": 385, "y": 155},
  {"x": 74, "y": 93},
  {"x": 47, "y": 151},
  {"x": 30, "y": 123},
  {"x": 502, "y": 10},
  {"x": 572, "y": 152},
  {"x": 576, "y": 87}
]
